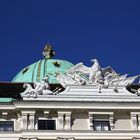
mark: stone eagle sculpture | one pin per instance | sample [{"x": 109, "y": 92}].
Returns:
[{"x": 94, "y": 75}]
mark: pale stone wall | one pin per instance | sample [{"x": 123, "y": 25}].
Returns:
[
  {"x": 79, "y": 122},
  {"x": 122, "y": 121}
]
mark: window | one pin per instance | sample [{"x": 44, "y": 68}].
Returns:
[
  {"x": 6, "y": 126},
  {"x": 101, "y": 125},
  {"x": 46, "y": 125}
]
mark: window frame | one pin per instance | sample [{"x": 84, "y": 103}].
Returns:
[
  {"x": 101, "y": 121},
  {"x": 13, "y": 125},
  {"x": 43, "y": 118}
]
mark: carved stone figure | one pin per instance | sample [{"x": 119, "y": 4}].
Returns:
[
  {"x": 94, "y": 75},
  {"x": 65, "y": 79},
  {"x": 30, "y": 91},
  {"x": 43, "y": 86},
  {"x": 40, "y": 88},
  {"x": 79, "y": 80},
  {"x": 136, "y": 91}
]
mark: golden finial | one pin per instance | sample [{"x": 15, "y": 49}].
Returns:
[{"x": 48, "y": 52}]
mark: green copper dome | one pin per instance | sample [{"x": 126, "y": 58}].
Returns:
[{"x": 36, "y": 71}]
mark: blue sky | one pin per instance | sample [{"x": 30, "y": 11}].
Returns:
[{"x": 79, "y": 30}]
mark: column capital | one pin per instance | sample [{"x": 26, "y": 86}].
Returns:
[{"x": 62, "y": 138}]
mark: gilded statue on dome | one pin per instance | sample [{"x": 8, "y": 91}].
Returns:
[{"x": 48, "y": 52}]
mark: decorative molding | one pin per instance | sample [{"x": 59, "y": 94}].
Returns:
[
  {"x": 22, "y": 138},
  {"x": 62, "y": 138},
  {"x": 101, "y": 113}
]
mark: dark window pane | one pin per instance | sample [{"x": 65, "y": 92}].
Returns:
[
  {"x": 6, "y": 126},
  {"x": 46, "y": 125},
  {"x": 101, "y": 125},
  {"x": 51, "y": 125},
  {"x": 42, "y": 125}
]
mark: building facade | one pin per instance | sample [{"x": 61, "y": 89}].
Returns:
[{"x": 53, "y": 99}]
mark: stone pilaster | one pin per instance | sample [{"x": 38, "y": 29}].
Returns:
[
  {"x": 111, "y": 121},
  {"x": 32, "y": 120},
  {"x": 68, "y": 120},
  {"x": 19, "y": 120},
  {"x": 60, "y": 120},
  {"x": 134, "y": 121},
  {"x": 138, "y": 121},
  {"x": 24, "y": 121},
  {"x": 90, "y": 116}
]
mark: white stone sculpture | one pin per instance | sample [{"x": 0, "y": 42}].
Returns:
[
  {"x": 65, "y": 79},
  {"x": 79, "y": 80},
  {"x": 94, "y": 75},
  {"x": 74, "y": 79},
  {"x": 136, "y": 91},
  {"x": 39, "y": 88}
]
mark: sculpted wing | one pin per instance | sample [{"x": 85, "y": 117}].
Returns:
[
  {"x": 80, "y": 67},
  {"x": 65, "y": 80},
  {"x": 108, "y": 70}
]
